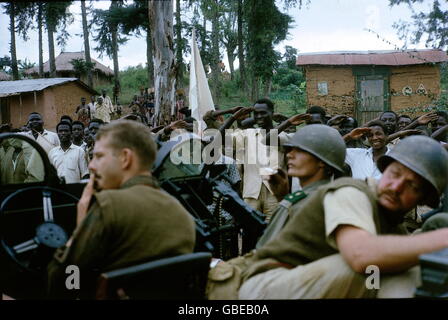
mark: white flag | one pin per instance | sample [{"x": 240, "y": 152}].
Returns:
[{"x": 200, "y": 97}]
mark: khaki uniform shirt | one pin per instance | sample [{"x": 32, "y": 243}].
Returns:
[
  {"x": 134, "y": 224},
  {"x": 286, "y": 209},
  {"x": 310, "y": 234}
]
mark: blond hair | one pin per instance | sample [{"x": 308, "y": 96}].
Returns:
[{"x": 132, "y": 135}]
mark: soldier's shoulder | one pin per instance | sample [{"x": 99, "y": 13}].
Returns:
[{"x": 295, "y": 196}]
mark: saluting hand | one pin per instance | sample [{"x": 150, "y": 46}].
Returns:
[
  {"x": 359, "y": 132},
  {"x": 279, "y": 184},
  {"x": 426, "y": 118},
  {"x": 299, "y": 118}
]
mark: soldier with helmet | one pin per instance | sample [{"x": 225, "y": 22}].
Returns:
[
  {"x": 313, "y": 162},
  {"x": 349, "y": 225},
  {"x": 346, "y": 227}
]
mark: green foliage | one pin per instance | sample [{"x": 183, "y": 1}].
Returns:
[
  {"x": 56, "y": 15},
  {"x": 267, "y": 26},
  {"x": 105, "y": 22},
  {"x": 434, "y": 24},
  {"x": 131, "y": 79},
  {"x": 81, "y": 66}
]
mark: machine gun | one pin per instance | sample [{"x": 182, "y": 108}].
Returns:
[
  {"x": 197, "y": 186},
  {"x": 434, "y": 265}
]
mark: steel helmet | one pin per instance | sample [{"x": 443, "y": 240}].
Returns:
[
  {"x": 322, "y": 142},
  {"x": 426, "y": 157}
]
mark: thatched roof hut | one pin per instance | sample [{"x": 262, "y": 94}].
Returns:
[
  {"x": 64, "y": 68},
  {"x": 4, "y": 76}
]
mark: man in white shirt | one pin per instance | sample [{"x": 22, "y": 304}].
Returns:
[
  {"x": 47, "y": 139},
  {"x": 68, "y": 159},
  {"x": 260, "y": 158},
  {"x": 363, "y": 161}
]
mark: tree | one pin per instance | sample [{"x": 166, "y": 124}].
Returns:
[
  {"x": 10, "y": 9},
  {"x": 434, "y": 24},
  {"x": 108, "y": 38},
  {"x": 290, "y": 57},
  {"x": 241, "y": 58},
  {"x": 267, "y": 26},
  {"x": 82, "y": 67},
  {"x": 86, "y": 43},
  {"x": 229, "y": 35},
  {"x": 161, "y": 18},
  {"x": 212, "y": 10},
  {"x": 179, "y": 47},
  {"x": 133, "y": 18},
  {"x": 56, "y": 17}
]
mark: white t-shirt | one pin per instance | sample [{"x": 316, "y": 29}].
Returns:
[{"x": 362, "y": 164}]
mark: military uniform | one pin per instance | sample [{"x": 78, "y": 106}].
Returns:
[
  {"x": 286, "y": 209},
  {"x": 131, "y": 225}
]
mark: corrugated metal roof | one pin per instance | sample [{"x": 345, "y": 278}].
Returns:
[
  {"x": 385, "y": 58},
  {"x": 8, "y": 88}
]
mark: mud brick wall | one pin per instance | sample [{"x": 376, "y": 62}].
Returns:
[
  {"x": 341, "y": 89},
  {"x": 413, "y": 77}
]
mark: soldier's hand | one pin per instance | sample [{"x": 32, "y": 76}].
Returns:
[
  {"x": 179, "y": 124},
  {"x": 336, "y": 120},
  {"x": 299, "y": 118},
  {"x": 277, "y": 117},
  {"x": 426, "y": 118},
  {"x": 235, "y": 109},
  {"x": 242, "y": 113},
  {"x": 279, "y": 184},
  {"x": 83, "y": 203},
  {"x": 369, "y": 122},
  {"x": 357, "y": 133},
  {"x": 409, "y": 132}
]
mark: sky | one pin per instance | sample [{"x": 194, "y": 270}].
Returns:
[{"x": 320, "y": 26}]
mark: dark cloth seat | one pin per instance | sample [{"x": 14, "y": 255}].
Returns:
[{"x": 182, "y": 277}]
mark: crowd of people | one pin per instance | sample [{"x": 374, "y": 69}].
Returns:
[{"x": 337, "y": 197}]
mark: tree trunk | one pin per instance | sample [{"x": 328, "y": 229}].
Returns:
[
  {"x": 149, "y": 59},
  {"x": 231, "y": 58},
  {"x": 242, "y": 66},
  {"x": 161, "y": 19},
  {"x": 179, "y": 48},
  {"x": 86, "y": 43},
  {"x": 50, "y": 29},
  {"x": 12, "y": 27},
  {"x": 216, "y": 70},
  {"x": 41, "y": 49},
  {"x": 255, "y": 92},
  {"x": 267, "y": 87},
  {"x": 114, "y": 36}
]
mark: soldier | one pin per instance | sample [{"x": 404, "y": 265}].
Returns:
[
  {"x": 348, "y": 225},
  {"x": 123, "y": 218},
  {"x": 310, "y": 160}
]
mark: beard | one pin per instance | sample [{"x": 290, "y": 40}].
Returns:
[{"x": 393, "y": 217}]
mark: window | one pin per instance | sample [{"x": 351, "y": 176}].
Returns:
[{"x": 322, "y": 88}]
